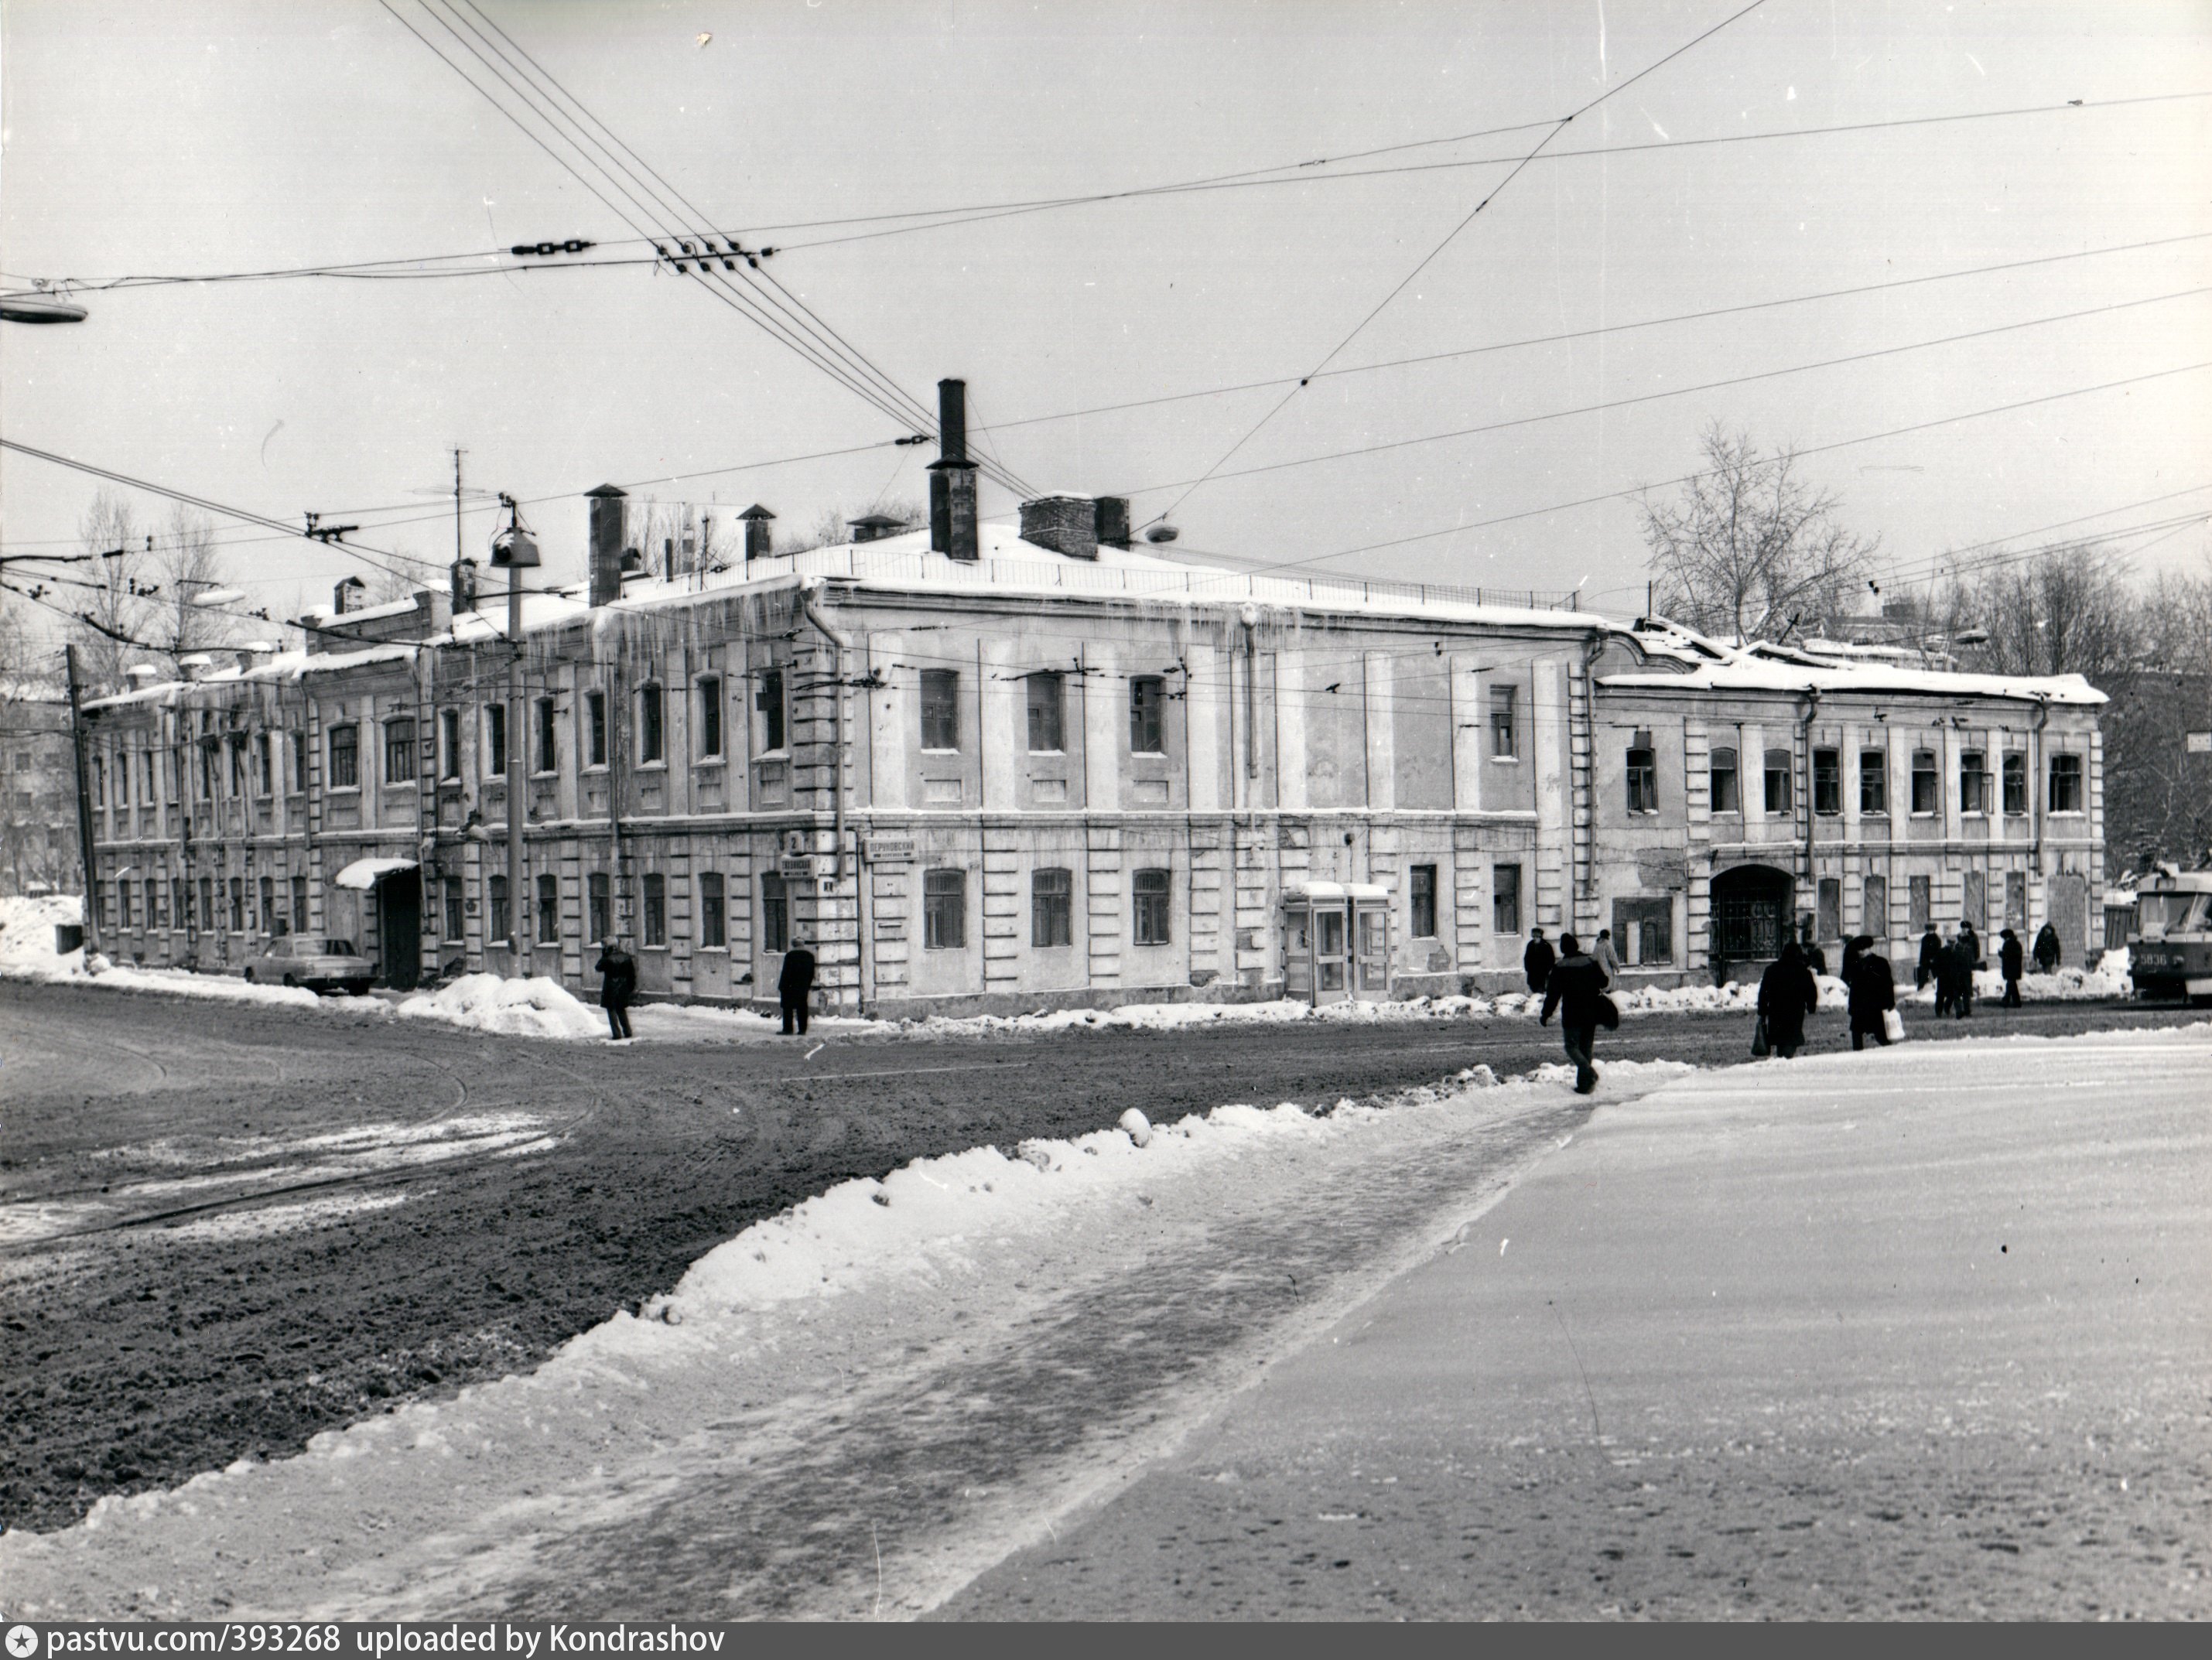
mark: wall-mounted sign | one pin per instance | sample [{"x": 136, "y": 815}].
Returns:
[
  {"x": 2200, "y": 743},
  {"x": 800, "y": 865},
  {"x": 890, "y": 850}
]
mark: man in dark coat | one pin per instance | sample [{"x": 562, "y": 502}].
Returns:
[
  {"x": 1956, "y": 988},
  {"x": 2046, "y": 949},
  {"x": 617, "y": 972},
  {"x": 1873, "y": 992},
  {"x": 1573, "y": 988},
  {"x": 2012, "y": 961},
  {"x": 794, "y": 987},
  {"x": 1786, "y": 994},
  {"x": 1536, "y": 961},
  {"x": 1931, "y": 964}
]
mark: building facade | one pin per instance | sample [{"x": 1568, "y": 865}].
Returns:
[
  {"x": 1053, "y": 769},
  {"x": 40, "y": 846}
]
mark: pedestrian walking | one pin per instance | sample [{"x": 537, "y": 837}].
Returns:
[
  {"x": 617, "y": 972},
  {"x": 1959, "y": 995},
  {"x": 1815, "y": 958},
  {"x": 1575, "y": 988},
  {"x": 2012, "y": 961},
  {"x": 2047, "y": 950},
  {"x": 1605, "y": 958},
  {"x": 1931, "y": 958},
  {"x": 1873, "y": 985},
  {"x": 794, "y": 987},
  {"x": 1786, "y": 994},
  {"x": 1537, "y": 961}
]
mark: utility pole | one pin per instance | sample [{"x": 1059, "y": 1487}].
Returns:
[
  {"x": 515, "y": 550},
  {"x": 83, "y": 806},
  {"x": 456, "y": 505}
]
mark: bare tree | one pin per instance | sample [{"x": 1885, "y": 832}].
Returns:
[
  {"x": 144, "y": 601},
  {"x": 188, "y": 571},
  {"x": 2066, "y": 612},
  {"x": 1750, "y": 544},
  {"x": 110, "y": 615}
]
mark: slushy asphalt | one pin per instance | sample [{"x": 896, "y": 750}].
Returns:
[{"x": 1920, "y": 1333}]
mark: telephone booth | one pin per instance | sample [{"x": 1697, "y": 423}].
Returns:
[{"x": 1336, "y": 942}]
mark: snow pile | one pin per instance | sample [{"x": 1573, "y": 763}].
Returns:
[
  {"x": 538, "y": 1008},
  {"x": 2109, "y": 979},
  {"x": 27, "y": 953},
  {"x": 1506, "y": 1005},
  {"x": 930, "y": 1218},
  {"x": 27, "y": 937}
]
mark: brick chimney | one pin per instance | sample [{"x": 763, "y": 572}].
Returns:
[
  {"x": 1067, "y": 525},
  {"x": 756, "y": 519},
  {"x": 952, "y": 478},
  {"x": 606, "y": 554},
  {"x": 1112, "y": 521},
  {"x": 343, "y": 591}
]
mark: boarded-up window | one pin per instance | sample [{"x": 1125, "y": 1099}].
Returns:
[
  {"x": 1643, "y": 932},
  {"x": 1874, "y": 907}
]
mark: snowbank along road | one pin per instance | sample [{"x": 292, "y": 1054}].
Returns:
[{"x": 223, "y": 1235}]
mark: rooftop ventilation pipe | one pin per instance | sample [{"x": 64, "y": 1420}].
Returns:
[
  {"x": 607, "y": 511},
  {"x": 952, "y": 478},
  {"x": 756, "y": 519}
]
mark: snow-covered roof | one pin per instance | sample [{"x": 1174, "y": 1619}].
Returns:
[
  {"x": 361, "y": 874},
  {"x": 398, "y": 608},
  {"x": 1769, "y": 669}
]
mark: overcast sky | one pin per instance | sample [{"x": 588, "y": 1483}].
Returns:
[{"x": 185, "y": 137}]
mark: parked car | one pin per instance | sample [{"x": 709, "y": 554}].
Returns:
[{"x": 311, "y": 961}]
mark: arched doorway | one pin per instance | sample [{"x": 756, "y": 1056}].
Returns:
[{"x": 1751, "y": 910}]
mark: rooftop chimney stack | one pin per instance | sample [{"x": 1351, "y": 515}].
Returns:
[
  {"x": 1068, "y": 525},
  {"x": 343, "y": 593},
  {"x": 1112, "y": 521},
  {"x": 464, "y": 586},
  {"x": 756, "y": 519},
  {"x": 952, "y": 478},
  {"x": 606, "y": 535}
]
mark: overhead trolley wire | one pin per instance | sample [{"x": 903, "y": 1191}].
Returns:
[
  {"x": 743, "y": 303},
  {"x": 780, "y": 313},
  {"x": 1635, "y": 491},
  {"x": 1683, "y": 391},
  {"x": 368, "y": 555},
  {"x": 1590, "y": 333},
  {"x": 1449, "y": 237},
  {"x": 659, "y": 192},
  {"x": 983, "y": 213}
]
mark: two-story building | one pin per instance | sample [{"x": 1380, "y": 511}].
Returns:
[{"x": 987, "y": 768}]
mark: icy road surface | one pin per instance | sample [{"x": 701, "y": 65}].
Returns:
[
  {"x": 1920, "y": 1334},
  {"x": 868, "y": 1401}
]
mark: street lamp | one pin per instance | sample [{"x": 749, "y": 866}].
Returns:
[{"x": 36, "y": 306}]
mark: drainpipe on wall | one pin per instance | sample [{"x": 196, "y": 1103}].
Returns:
[
  {"x": 1585, "y": 885},
  {"x": 1249, "y": 617},
  {"x": 1805, "y": 744},
  {"x": 2035, "y": 787}
]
